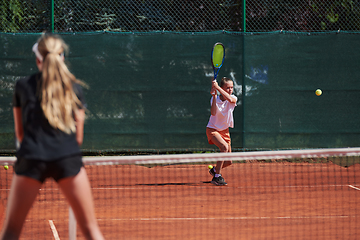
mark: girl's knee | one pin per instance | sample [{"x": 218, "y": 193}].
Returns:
[{"x": 224, "y": 148}]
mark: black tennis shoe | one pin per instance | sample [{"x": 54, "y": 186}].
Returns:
[{"x": 219, "y": 181}]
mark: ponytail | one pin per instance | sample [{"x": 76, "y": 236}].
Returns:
[{"x": 59, "y": 102}]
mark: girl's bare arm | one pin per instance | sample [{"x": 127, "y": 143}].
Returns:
[
  {"x": 19, "y": 130},
  {"x": 80, "y": 119},
  {"x": 227, "y": 96}
]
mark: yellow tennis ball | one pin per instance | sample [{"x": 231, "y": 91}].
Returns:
[
  {"x": 6, "y": 167},
  {"x": 318, "y": 92},
  {"x": 210, "y": 166}
]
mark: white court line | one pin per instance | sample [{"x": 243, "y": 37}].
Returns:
[
  {"x": 211, "y": 186},
  {"x": 41, "y": 189},
  {"x": 226, "y": 218},
  {"x": 54, "y": 231},
  {"x": 354, "y": 187},
  {"x": 205, "y": 187}
]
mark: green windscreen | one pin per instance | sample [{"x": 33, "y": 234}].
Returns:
[
  {"x": 282, "y": 73},
  {"x": 146, "y": 98},
  {"x": 218, "y": 55}
]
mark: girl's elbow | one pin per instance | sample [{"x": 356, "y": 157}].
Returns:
[
  {"x": 232, "y": 100},
  {"x": 20, "y": 137},
  {"x": 79, "y": 142},
  {"x": 79, "y": 139}
]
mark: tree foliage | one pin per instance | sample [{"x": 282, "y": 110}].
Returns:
[{"x": 11, "y": 15}]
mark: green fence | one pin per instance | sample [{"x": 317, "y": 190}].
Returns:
[
  {"x": 150, "y": 91},
  {"x": 285, "y": 112}
]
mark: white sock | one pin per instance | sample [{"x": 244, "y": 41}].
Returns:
[{"x": 217, "y": 175}]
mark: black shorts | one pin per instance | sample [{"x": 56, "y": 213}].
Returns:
[{"x": 57, "y": 169}]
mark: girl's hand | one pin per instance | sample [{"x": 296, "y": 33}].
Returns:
[
  {"x": 213, "y": 92},
  {"x": 215, "y": 85}
]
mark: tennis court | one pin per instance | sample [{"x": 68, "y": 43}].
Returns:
[
  {"x": 148, "y": 67},
  {"x": 267, "y": 199}
]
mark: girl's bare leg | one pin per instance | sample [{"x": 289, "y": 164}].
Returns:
[
  {"x": 22, "y": 196},
  {"x": 78, "y": 192},
  {"x": 224, "y": 147}
]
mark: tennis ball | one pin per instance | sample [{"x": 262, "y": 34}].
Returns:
[
  {"x": 6, "y": 167},
  {"x": 210, "y": 166},
  {"x": 318, "y": 92}
]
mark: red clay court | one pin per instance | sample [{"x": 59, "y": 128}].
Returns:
[{"x": 263, "y": 200}]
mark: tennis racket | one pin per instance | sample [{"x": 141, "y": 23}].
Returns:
[{"x": 217, "y": 58}]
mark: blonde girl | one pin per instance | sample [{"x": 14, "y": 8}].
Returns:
[{"x": 49, "y": 113}]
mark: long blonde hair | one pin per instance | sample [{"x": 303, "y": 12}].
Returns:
[{"x": 58, "y": 99}]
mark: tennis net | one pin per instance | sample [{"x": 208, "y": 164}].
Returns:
[{"x": 292, "y": 194}]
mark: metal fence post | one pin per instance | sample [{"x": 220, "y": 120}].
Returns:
[
  {"x": 52, "y": 15},
  {"x": 243, "y": 74},
  {"x": 244, "y": 16}
]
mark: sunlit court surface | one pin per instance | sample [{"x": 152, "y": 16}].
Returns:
[
  {"x": 171, "y": 197},
  {"x": 149, "y": 69}
]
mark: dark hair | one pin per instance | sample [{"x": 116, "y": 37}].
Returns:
[{"x": 224, "y": 80}]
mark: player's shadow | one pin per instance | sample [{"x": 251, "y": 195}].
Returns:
[
  {"x": 170, "y": 184},
  {"x": 166, "y": 184}
]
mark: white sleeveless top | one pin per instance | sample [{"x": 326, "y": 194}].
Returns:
[{"x": 224, "y": 114}]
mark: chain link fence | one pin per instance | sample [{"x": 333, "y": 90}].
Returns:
[
  {"x": 300, "y": 15},
  {"x": 179, "y": 15}
]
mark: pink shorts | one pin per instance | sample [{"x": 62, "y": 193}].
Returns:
[{"x": 224, "y": 134}]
